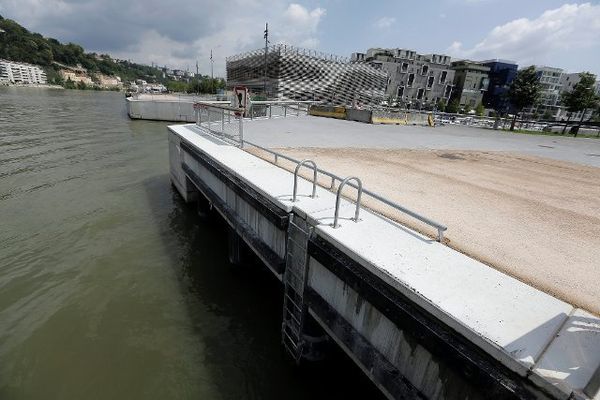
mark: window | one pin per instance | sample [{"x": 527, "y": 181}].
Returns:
[
  {"x": 430, "y": 82},
  {"x": 424, "y": 70},
  {"x": 420, "y": 93},
  {"x": 411, "y": 79},
  {"x": 404, "y": 67},
  {"x": 400, "y": 93},
  {"x": 447, "y": 91},
  {"x": 443, "y": 76}
]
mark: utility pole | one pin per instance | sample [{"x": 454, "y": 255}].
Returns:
[
  {"x": 197, "y": 71},
  {"x": 212, "y": 78},
  {"x": 266, "y": 51}
]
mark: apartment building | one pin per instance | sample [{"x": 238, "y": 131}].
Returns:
[
  {"x": 551, "y": 86},
  {"x": 414, "y": 80},
  {"x": 471, "y": 81},
  {"x": 21, "y": 73},
  {"x": 567, "y": 83}
]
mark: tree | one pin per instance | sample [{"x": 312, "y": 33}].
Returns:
[
  {"x": 466, "y": 109},
  {"x": 524, "y": 91},
  {"x": 480, "y": 110},
  {"x": 441, "y": 105},
  {"x": 453, "y": 106},
  {"x": 581, "y": 98}
]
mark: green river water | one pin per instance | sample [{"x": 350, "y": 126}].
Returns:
[{"x": 111, "y": 287}]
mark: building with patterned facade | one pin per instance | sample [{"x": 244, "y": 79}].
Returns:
[
  {"x": 21, "y": 73},
  {"x": 291, "y": 73},
  {"x": 414, "y": 80}
]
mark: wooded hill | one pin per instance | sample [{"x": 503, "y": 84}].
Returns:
[{"x": 18, "y": 44}]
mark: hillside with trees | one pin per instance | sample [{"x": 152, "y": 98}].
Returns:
[{"x": 19, "y": 44}]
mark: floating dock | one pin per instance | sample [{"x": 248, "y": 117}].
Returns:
[{"x": 420, "y": 319}]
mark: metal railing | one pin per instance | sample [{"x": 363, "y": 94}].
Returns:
[
  {"x": 314, "y": 182},
  {"x": 222, "y": 120},
  {"x": 228, "y": 122},
  {"x": 338, "y": 200},
  {"x": 439, "y": 227},
  {"x": 277, "y": 109}
]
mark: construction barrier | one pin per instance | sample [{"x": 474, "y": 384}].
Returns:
[{"x": 327, "y": 111}]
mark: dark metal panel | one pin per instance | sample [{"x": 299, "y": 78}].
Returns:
[
  {"x": 443, "y": 342},
  {"x": 265, "y": 206},
  {"x": 276, "y": 263},
  {"x": 382, "y": 371}
]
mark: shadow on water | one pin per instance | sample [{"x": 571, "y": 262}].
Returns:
[{"x": 235, "y": 312}]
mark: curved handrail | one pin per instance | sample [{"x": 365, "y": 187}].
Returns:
[
  {"x": 334, "y": 178},
  {"x": 338, "y": 197},
  {"x": 314, "y": 189}
]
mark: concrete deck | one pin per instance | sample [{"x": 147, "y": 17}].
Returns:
[{"x": 512, "y": 321}]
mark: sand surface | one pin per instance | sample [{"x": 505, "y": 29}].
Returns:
[{"x": 533, "y": 218}]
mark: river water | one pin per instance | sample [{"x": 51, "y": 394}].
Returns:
[{"x": 111, "y": 287}]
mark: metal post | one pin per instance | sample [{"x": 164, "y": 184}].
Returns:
[
  {"x": 269, "y": 111},
  {"x": 208, "y": 111},
  {"x": 339, "y": 198},
  {"x": 241, "y": 130},
  {"x": 222, "y": 120},
  {"x": 314, "y": 189},
  {"x": 285, "y": 110}
]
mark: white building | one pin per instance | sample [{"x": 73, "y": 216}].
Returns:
[
  {"x": 567, "y": 83},
  {"x": 22, "y": 73}
]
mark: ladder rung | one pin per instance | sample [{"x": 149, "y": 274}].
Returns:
[{"x": 291, "y": 340}]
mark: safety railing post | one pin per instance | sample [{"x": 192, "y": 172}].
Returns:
[
  {"x": 285, "y": 110},
  {"x": 269, "y": 105},
  {"x": 222, "y": 120},
  {"x": 314, "y": 188},
  {"x": 338, "y": 198},
  {"x": 241, "y": 128}
]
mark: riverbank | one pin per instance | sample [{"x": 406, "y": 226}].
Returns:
[{"x": 36, "y": 86}]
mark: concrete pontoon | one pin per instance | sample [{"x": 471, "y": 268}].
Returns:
[{"x": 420, "y": 318}]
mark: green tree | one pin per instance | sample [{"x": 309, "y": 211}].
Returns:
[
  {"x": 581, "y": 98},
  {"x": 524, "y": 91},
  {"x": 69, "y": 84},
  {"x": 441, "y": 105},
  {"x": 453, "y": 106},
  {"x": 480, "y": 110},
  {"x": 466, "y": 109}
]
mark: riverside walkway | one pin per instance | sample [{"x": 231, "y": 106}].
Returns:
[{"x": 416, "y": 315}]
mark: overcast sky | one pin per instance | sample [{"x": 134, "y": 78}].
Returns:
[{"x": 177, "y": 33}]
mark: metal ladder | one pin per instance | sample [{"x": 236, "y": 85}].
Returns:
[{"x": 294, "y": 279}]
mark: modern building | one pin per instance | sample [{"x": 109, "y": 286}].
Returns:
[
  {"x": 501, "y": 74},
  {"x": 567, "y": 83},
  {"x": 549, "y": 106},
  {"x": 21, "y": 73},
  {"x": 471, "y": 81},
  {"x": 414, "y": 80},
  {"x": 291, "y": 73}
]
